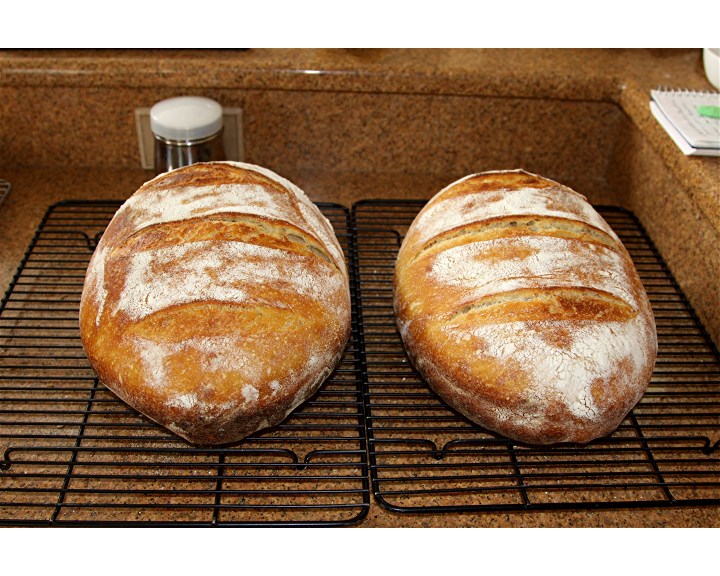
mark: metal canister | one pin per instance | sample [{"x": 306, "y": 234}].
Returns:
[{"x": 187, "y": 129}]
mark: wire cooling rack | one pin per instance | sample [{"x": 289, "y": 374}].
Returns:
[
  {"x": 424, "y": 457},
  {"x": 73, "y": 454}
]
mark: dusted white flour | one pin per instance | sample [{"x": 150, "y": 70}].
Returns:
[
  {"x": 216, "y": 271},
  {"x": 539, "y": 262},
  {"x": 449, "y": 213},
  {"x": 588, "y": 356},
  {"x": 157, "y": 206}
]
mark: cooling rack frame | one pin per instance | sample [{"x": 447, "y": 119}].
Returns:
[
  {"x": 75, "y": 455},
  {"x": 426, "y": 458}
]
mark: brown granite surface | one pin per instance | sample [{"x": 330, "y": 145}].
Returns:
[{"x": 353, "y": 124}]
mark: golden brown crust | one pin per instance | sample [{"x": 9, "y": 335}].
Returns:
[
  {"x": 522, "y": 309},
  {"x": 221, "y": 313}
]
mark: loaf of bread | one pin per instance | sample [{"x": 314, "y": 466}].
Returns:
[
  {"x": 216, "y": 302},
  {"x": 522, "y": 309}
]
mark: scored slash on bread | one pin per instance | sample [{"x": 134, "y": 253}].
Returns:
[
  {"x": 217, "y": 301},
  {"x": 522, "y": 309}
]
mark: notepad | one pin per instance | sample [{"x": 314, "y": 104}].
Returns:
[{"x": 677, "y": 111}]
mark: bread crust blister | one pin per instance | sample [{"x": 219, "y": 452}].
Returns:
[
  {"x": 522, "y": 309},
  {"x": 217, "y": 301}
]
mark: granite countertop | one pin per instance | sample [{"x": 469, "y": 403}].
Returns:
[
  {"x": 621, "y": 77},
  {"x": 46, "y": 166}
]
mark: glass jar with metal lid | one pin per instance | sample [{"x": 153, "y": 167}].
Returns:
[{"x": 187, "y": 129}]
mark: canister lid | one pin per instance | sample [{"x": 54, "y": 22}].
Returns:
[{"x": 186, "y": 118}]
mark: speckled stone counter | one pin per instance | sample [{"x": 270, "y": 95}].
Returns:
[{"x": 352, "y": 124}]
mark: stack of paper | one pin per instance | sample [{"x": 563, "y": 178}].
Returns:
[{"x": 690, "y": 118}]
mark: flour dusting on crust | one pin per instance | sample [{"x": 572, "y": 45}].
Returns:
[
  {"x": 588, "y": 357},
  {"x": 449, "y": 213},
  {"x": 158, "y": 206},
  {"x": 506, "y": 264},
  {"x": 217, "y": 271},
  {"x": 95, "y": 281}
]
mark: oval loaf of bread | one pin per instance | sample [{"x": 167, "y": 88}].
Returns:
[
  {"x": 217, "y": 301},
  {"x": 522, "y": 309}
]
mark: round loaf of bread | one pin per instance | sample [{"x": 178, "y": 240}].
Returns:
[
  {"x": 216, "y": 302},
  {"x": 522, "y": 309}
]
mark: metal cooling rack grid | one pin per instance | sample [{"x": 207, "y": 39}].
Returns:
[
  {"x": 73, "y": 454},
  {"x": 424, "y": 457}
]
